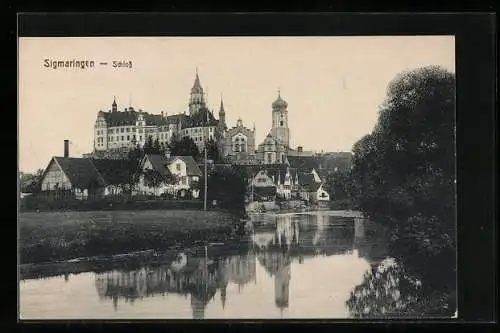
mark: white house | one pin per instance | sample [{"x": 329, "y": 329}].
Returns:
[{"x": 184, "y": 170}]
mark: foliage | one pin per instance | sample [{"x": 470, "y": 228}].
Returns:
[
  {"x": 403, "y": 172},
  {"x": 154, "y": 179},
  {"x": 228, "y": 187},
  {"x": 212, "y": 150},
  {"x": 184, "y": 147},
  {"x": 339, "y": 185},
  {"x": 389, "y": 291}
]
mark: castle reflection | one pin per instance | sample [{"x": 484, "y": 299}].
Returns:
[{"x": 276, "y": 244}]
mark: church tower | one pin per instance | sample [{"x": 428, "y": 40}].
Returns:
[
  {"x": 196, "y": 100},
  {"x": 222, "y": 117},
  {"x": 280, "y": 130}
]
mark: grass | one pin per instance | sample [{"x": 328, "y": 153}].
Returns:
[{"x": 52, "y": 236}]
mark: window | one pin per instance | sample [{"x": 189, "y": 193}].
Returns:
[
  {"x": 269, "y": 157},
  {"x": 122, "y": 137},
  {"x": 184, "y": 180},
  {"x": 281, "y": 123},
  {"x": 140, "y": 137},
  {"x": 128, "y": 137},
  {"x": 111, "y": 131},
  {"x": 178, "y": 167},
  {"x": 128, "y": 129},
  {"x": 122, "y": 129},
  {"x": 133, "y": 129},
  {"x": 140, "y": 130}
]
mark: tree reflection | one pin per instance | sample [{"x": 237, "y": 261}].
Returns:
[{"x": 389, "y": 291}]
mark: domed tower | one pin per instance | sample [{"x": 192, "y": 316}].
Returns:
[
  {"x": 280, "y": 129},
  {"x": 196, "y": 100}
]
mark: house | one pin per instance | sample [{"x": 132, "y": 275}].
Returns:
[
  {"x": 81, "y": 177},
  {"x": 311, "y": 187},
  {"x": 179, "y": 174},
  {"x": 262, "y": 187},
  {"x": 187, "y": 172}
]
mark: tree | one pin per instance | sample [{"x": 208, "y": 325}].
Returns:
[
  {"x": 404, "y": 171},
  {"x": 156, "y": 149},
  {"x": 228, "y": 187},
  {"x": 212, "y": 150},
  {"x": 148, "y": 145},
  {"x": 184, "y": 147}
]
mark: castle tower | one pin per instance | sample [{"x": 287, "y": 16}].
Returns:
[
  {"x": 280, "y": 129},
  {"x": 197, "y": 99}
]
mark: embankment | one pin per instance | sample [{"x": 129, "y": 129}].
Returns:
[{"x": 53, "y": 236}]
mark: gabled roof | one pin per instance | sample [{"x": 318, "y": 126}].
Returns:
[
  {"x": 159, "y": 163},
  {"x": 192, "y": 168},
  {"x": 81, "y": 172},
  {"x": 114, "y": 171}
]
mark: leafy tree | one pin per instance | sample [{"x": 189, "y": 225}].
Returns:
[
  {"x": 228, "y": 187},
  {"x": 338, "y": 185},
  {"x": 156, "y": 149},
  {"x": 403, "y": 172},
  {"x": 184, "y": 147},
  {"x": 154, "y": 179},
  {"x": 212, "y": 150},
  {"x": 148, "y": 145}
]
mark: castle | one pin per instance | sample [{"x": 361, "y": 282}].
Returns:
[{"x": 119, "y": 131}]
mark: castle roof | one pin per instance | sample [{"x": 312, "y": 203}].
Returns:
[
  {"x": 199, "y": 119},
  {"x": 129, "y": 117}
]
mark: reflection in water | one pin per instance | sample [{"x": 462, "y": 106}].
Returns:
[{"x": 295, "y": 259}]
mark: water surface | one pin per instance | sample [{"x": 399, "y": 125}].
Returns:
[{"x": 289, "y": 266}]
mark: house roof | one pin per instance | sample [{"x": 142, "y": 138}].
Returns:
[
  {"x": 192, "y": 168},
  {"x": 313, "y": 187},
  {"x": 114, "y": 171},
  {"x": 159, "y": 163},
  {"x": 80, "y": 171},
  {"x": 303, "y": 162}
]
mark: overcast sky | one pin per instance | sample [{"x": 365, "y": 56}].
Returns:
[{"x": 333, "y": 85}]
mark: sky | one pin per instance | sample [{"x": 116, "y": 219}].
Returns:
[{"x": 333, "y": 85}]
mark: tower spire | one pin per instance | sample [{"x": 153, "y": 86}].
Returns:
[
  {"x": 114, "y": 106},
  {"x": 221, "y": 103}
]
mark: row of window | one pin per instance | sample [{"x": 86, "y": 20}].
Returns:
[
  {"x": 133, "y": 129},
  {"x": 197, "y": 130}
]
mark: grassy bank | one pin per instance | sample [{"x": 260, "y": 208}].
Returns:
[
  {"x": 52, "y": 236},
  {"x": 46, "y": 203}
]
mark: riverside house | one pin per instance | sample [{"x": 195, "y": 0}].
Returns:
[
  {"x": 180, "y": 174},
  {"x": 84, "y": 177}
]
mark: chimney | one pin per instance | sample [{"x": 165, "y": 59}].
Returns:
[
  {"x": 299, "y": 149},
  {"x": 162, "y": 115},
  {"x": 66, "y": 148}
]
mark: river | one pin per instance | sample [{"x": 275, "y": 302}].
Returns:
[{"x": 309, "y": 265}]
